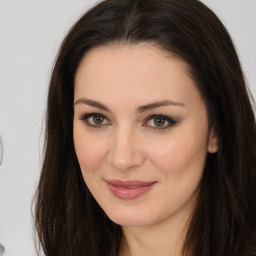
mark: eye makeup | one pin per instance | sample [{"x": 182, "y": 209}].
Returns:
[
  {"x": 95, "y": 120},
  {"x": 155, "y": 121},
  {"x": 159, "y": 122}
]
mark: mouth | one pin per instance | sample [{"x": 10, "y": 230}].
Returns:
[{"x": 128, "y": 190}]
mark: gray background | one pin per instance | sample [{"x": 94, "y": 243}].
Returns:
[{"x": 30, "y": 34}]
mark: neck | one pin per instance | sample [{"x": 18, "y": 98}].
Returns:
[{"x": 164, "y": 238}]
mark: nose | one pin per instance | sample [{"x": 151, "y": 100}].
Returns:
[{"x": 125, "y": 152}]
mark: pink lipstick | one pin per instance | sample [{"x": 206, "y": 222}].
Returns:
[{"x": 128, "y": 190}]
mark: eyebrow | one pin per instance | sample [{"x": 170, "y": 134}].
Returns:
[
  {"x": 158, "y": 104},
  {"x": 140, "y": 109},
  {"x": 92, "y": 103}
]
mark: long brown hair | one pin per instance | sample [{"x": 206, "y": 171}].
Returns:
[{"x": 68, "y": 220}]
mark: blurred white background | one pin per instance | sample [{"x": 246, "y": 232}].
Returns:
[{"x": 30, "y": 34}]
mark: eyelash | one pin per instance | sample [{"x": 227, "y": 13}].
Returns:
[
  {"x": 169, "y": 120},
  {"x": 86, "y": 118}
]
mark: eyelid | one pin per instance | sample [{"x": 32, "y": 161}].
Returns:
[
  {"x": 170, "y": 121},
  {"x": 85, "y": 117}
]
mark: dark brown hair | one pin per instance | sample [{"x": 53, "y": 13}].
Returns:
[{"x": 68, "y": 220}]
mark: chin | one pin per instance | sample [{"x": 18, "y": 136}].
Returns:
[
  {"x": 130, "y": 218},
  {"x": 129, "y": 222}
]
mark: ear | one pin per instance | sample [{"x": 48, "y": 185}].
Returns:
[{"x": 212, "y": 142}]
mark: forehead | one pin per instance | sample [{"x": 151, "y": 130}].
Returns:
[
  {"x": 144, "y": 54},
  {"x": 142, "y": 71}
]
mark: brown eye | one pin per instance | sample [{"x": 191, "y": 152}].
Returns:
[
  {"x": 98, "y": 119},
  {"x": 159, "y": 121},
  {"x": 95, "y": 120}
]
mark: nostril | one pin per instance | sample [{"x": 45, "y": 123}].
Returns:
[{"x": 125, "y": 153}]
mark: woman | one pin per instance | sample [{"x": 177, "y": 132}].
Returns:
[{"x": 150, "y": 137}]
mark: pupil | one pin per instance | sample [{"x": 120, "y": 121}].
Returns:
[
  {"x": 98, "y": 119},
  {"x": 159, "y": 121}
]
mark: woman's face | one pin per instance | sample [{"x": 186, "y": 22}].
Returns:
[{"x": 141, "y": 133}]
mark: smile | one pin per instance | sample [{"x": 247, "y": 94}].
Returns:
[{"x": 128, "y": 190}]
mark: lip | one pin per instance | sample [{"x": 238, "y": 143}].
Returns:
[{"x": 129, "y": 190}]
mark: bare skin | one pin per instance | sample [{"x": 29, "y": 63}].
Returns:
[{"x": 138, "y": 117}]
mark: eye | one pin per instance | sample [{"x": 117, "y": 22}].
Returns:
[
  {"x": 95, "y": 119},
  {"x": 159, "y": 122}
]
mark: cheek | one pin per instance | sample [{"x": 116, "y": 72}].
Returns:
[
  {"x": 179, "y": 154},
  {"x": 90, "y": 151}
]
